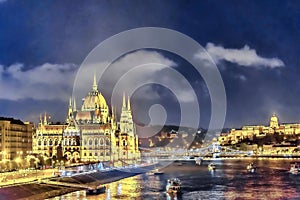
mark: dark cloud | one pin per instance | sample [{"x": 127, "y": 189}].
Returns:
[{"x": 35, "y": 33}]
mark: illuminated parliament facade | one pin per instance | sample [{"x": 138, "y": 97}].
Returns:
[{"x": 91, "y": 133}]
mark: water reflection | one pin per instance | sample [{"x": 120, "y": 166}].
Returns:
[{"x": 230, "y": 180}]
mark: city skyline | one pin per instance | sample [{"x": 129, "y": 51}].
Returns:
[
  {"x": 152, "y": 99},
  {"x": 253, "y": 44}
]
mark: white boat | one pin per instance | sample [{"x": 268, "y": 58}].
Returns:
[
  {"x": 295, "y": 168},
  {"x": 173, "y": 186},
  {"x": 211, "y": 167},
  {"x": 198, "y": 161},
  {"x": 251, "y": 168}
]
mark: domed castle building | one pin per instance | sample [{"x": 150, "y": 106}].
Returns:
[
  {"x": 235, "y": 136},
  {"x": 91, "y": 133}
]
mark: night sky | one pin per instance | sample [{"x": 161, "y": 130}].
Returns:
[{"x": 255, "y": 44}]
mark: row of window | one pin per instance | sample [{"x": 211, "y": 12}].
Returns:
[
  {"x": 96, "y": 154},
  {"x": 72, "y": 142},
  {"x": 96, "y": 142},
  {"x": 48, "y": 142}
]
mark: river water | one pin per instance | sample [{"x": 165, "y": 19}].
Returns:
[{"x": 229, "y": 181}]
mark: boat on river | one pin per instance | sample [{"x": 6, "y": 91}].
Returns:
[
  {"x": 211, "y": 167},
  {"x": 251, "y": 168},
  {"x": 295, "y": 168},
  {"x": 173, "y": 186},
  {"x": 198, "y": 160}
]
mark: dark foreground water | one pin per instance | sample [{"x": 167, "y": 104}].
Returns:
[{"x": 229, "y": 181}]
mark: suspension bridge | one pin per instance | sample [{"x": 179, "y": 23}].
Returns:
[{"x": 213, "y": 150}]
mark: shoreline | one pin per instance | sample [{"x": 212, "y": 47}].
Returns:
[
  {"x": 257, "y": 157},
  {"x": 52, "y": 193},
  {"x": 37, "y": 191},
  {"x": 44, "y": 190}
]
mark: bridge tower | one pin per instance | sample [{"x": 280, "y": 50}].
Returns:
[{"x": 216, "y": 150}]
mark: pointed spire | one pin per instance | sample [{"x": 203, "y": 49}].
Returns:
[
  {"x": 41, "y": 121},
  {"x": 74, "y": 105},
  {"x": 95, "y": 87},
  {"x": 45, "y": 119},
  {"x": 70, "y": 102},
  {"x": 70, "y": 111},
  {"x": 124, "y": 102},
  {"x": 128, "y": 104}
]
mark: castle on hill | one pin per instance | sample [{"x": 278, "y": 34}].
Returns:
[{"x": 234, "y": 136}]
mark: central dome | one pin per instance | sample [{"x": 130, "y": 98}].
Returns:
[
  {"x": 274, "y": 121},
  {"x": 93, "y": 101}
]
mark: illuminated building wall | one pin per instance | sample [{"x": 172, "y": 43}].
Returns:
[
  {"x": 15, "y": 138},
  {"x": 236, "y": 135},
  {"x": 91, "y": 133}
]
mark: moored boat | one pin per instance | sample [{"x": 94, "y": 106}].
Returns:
[
  {"x": 173, "y": 186},
  {"x": 158, "y": 172},
  {"x": 96, "y": 190}
]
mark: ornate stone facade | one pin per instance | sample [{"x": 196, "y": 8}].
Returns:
[{"x": 91, "y": 133}]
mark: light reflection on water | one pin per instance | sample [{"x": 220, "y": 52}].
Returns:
[{"x": 229, "y": 181}]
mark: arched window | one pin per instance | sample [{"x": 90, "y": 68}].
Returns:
[
  {"x": 45, "y": 142},
  {"x": 50, "y": 142},
  {"x": 107, "y": 142},
  {"x": 55, "y": 142},
  {"x": 85, "y": 142},
  {"x": 101, "y": 142},
  {"x": 124, "y": 143},
  {"x": 39, "y": 143},
  {"x": 96, "y": 142},
  {"x": 90, "y": 142}
]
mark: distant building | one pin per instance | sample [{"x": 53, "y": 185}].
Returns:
[
  {"x": 173, "y": 134},
  {"x": 236, "y": 135},
  {"x": 91, "y": 133},
  {"x": 15, "y": 138}
]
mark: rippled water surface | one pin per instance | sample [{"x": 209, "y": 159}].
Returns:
[{"x": 229, "y": 181}]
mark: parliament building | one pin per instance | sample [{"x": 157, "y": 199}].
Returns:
[{"x": 91, "y": 133}]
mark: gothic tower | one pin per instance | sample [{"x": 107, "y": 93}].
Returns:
[{"x": 126, "y": 121}]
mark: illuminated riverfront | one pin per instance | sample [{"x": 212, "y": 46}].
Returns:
[
  {"x": 275, "y": 139},
  {"x": 149, "y": 99},
  {"x": 229, "y": 181}
]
